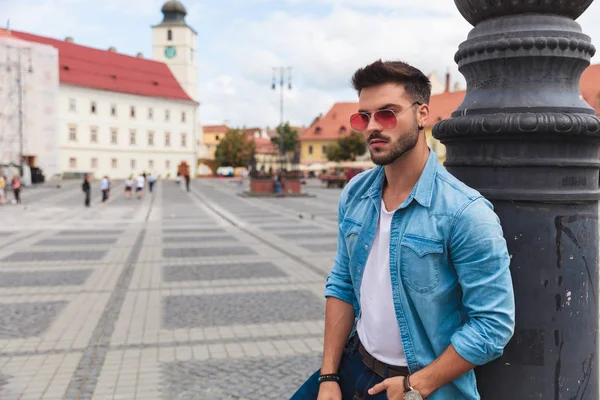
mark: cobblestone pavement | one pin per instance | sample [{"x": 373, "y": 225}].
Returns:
[{"x": 201, "y": 295}]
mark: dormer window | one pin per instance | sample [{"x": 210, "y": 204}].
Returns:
[
  {"x": 318, "y": 130},
  {"x": 343, "y": 130}
]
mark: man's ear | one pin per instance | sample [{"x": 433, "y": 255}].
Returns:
[{"x": 422, "y": 116}]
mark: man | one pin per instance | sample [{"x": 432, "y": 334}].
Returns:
[
  {"x": 105, "y": 188},
  {"x": 87, "y": 189},
  {"x": 420, "y": 292},
  {"x": 141, "y": 182}
]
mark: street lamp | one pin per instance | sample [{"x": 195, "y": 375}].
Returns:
[
  {"x": 525, "y": 138},
  {"x": 282, "y": 71}
]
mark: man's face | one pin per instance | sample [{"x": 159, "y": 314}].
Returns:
[{"x": 387, "y": 145}]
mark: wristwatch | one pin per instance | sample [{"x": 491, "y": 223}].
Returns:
[{"x": 409, "y": 392}]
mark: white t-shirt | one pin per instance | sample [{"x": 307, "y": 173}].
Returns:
[
  {"x": 140, "y": 182},
  {"x": 377, "y": 327},
  {"x": 104, "y": 184}
]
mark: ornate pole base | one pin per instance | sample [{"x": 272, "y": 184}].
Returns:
[{"x": 527, "y": 140}]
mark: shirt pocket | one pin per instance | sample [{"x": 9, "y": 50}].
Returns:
[
  {"x": 420, "y": 262},
  {"x": 350, "y": 230}
]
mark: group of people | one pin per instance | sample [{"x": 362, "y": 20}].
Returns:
[
  {"x": 15, "y": 186},
  {"x": 105, "y": 186}
]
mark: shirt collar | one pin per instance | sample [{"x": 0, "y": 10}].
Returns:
[{"x": 422, "y": 192}]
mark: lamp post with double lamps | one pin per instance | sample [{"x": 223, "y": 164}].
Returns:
[{"x": 282, "y": 86}]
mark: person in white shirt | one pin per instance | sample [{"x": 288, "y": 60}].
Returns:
[
  {"x": 141, "y": 182},
  {"x": 105, "y": 188},
  {"x": 128, "y": 187}
]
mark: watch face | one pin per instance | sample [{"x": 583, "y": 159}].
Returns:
[
  {"x": 170, "y": 52},
  {"x": 413, "y": 395}
]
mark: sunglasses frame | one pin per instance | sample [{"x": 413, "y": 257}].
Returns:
[{"x": 372, "y": 114}]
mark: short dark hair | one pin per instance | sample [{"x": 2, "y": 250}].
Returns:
[{"x": 416, "y": 84}]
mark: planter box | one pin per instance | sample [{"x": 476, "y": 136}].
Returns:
[{"x": 267, "y": 186}]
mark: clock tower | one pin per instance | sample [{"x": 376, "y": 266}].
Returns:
[{"x": 174, "y": 43}]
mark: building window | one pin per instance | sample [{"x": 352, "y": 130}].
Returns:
[
  {"x": 167, "y": 139},
  {"x": 324, "y": 149},
  {"x": 150, "y": 138},
  {"x": 73, "y": 162},
  {"x": 132, "y": 164},
  {"x": 343, "y": 130},
  {"x": 114, "y": 163},
  {"x": 94, "y": 135},
  {"x": 167, "y": 164},
  {"x": 167, "y": 115},
  {"x": 72, "y": 105},
  {"x": 183, "y": 140},
  {"x": 113, "y": 135},
  {"x": 217, "y": 138},
  {"x": 150, "y": 113},
  {"x": 132, "y": 138},
  {"x": 169, "y": 35},
  {"x": 93, "y": 107},
  {"x": 94, "y": 163},
  {"x": 113, "y": 110},
  {"x": 191, "y": 55},
  {"x": 318, "y": 131},
  {"x": 310, "y": 149},
  {"x": 183, "y": 116},
  {"x": 72, "y": 134},
  {"x": 151, "y": 164},
  {"x": 132, "y": 112}
]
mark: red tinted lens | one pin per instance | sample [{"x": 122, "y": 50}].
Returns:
[
  {"x": 359, "y": 122},
  {"x": 386, "y": 118}
]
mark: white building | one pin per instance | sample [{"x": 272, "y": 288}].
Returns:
[
  {"x": 120, "y": 115},
  {"x": 27, "y": 88}
]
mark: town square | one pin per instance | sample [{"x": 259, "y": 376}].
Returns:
[{"x": 328, "y": 200}]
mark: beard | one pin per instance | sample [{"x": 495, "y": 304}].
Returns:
[{"x": 396, "y": 149}]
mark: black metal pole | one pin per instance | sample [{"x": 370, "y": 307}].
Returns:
[{"x": 527, "y": 140}]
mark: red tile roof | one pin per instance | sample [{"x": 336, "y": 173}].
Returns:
[
  {"x": 334, "y": 125},
  {"x": 215, "y": 128},
  {"x": 265, "y": 146},
  {"x": 590, "y": 86},
  {"x": 106, "y": 70}
]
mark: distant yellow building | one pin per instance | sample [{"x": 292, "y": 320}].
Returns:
[{"x": 212, "y": 137}]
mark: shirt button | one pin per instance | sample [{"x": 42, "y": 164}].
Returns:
[
  {"x": 359, "y": 271},
  {"x": 366, "y": 246}
]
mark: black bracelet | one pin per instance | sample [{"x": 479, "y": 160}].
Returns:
[{"x": 329, "y": 378}]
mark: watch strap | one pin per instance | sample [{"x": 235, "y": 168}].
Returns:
[{"x": 406, "y": 384}]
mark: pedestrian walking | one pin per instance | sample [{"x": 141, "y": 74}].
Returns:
[
  {"x": 128, "y": 186},
  {"x": 139, "y": 190},
  {"x": 151, "y": 181},
  {"x": 187, "y": 182},
  {"x": 420, "y": 292},
  {"x": 105, "y": 188},
  {"x": 87, "y": 189},
  {"x": 16, "y": 188},
  {"x": 2, "y": 189}
]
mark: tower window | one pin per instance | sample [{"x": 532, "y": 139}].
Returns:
[{"x": 169, "y": 35}]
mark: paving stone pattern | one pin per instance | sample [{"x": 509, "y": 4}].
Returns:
[
  {"x": 44, "y": 278},
  {"x": 243, "y": 308},
  {"x": 159, "y": 298},
  {"x": 25, "y": 320},
  {"x": 212, "y": 272},
  {"x": 248, "y": 378}
]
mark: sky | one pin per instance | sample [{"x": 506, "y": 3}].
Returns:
[{"x": 240, "y": 41}]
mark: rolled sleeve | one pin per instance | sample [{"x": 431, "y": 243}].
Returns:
[
  {"x": 339, "y": 282},
  {"x": 479, "y": 254}
]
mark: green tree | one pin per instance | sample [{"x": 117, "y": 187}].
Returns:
[
  {"x": 234, "y": 150},
  {"x": 347, "y": 148},
  {"x": 287, "y": 142}
]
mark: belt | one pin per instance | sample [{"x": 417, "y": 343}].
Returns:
[{"x": 382, "y": 369}]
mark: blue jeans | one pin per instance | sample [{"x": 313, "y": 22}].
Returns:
[{"x": 355, "y": 379}]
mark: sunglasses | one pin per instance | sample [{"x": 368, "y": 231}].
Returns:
[{"x": 386, "y": 118}]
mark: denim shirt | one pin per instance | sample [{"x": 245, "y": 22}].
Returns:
[{"x": 449, "y": 267}]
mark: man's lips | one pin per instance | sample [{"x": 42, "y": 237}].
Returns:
[{"x": 377, "y": 141}]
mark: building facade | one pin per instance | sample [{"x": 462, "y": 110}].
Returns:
[{"x": 120, "y": 115}]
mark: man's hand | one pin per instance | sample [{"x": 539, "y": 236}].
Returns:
[
  {"x": 330, "y": 391},
  {"x": 394, "y": 387}
]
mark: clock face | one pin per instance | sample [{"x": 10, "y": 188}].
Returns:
[{"x": 170, "y": 52}]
